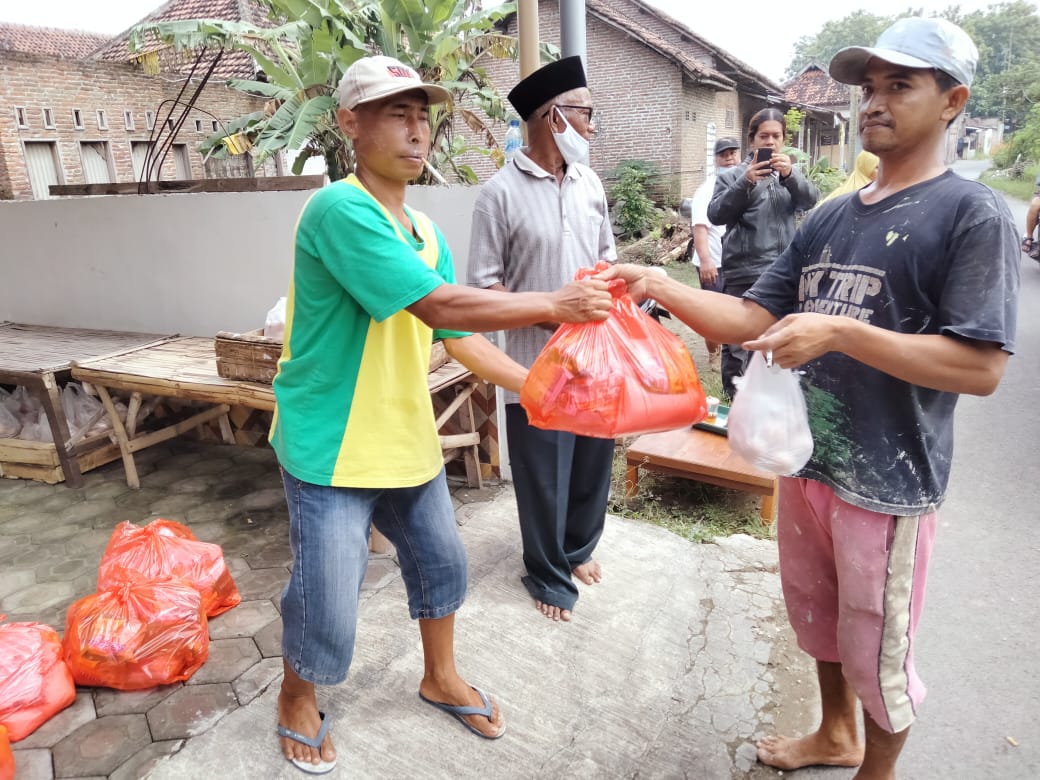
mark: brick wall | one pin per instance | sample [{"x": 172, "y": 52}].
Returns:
[
  {"x": 64, "y": 86},
  {"x": 645, "y": 107}
]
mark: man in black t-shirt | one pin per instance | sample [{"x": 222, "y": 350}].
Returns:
[{"x": 893, "y": 300}]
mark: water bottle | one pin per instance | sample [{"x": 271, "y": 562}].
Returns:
[{"x": 514, "y": 139}]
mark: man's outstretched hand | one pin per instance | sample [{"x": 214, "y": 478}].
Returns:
[
  {"x": 635, "y": 276},
  {"x": 581, "y": 301}
]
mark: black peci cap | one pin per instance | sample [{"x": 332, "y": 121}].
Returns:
[{"x": 546, "y": 83}]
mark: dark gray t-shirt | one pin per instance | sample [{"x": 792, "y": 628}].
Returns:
[{"x": 940, "y": 257}]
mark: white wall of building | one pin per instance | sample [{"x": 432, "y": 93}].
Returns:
[{"x": 191, "y": 264}]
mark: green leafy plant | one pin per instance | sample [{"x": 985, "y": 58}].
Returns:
[
  {"x": 302, "y": 61},
  {"x": 793, "y": 119},
  {"x": 825, "y": 177},
  {"x": 634, "y": 212}
]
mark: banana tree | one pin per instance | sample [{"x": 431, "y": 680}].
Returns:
[{"x": 303, "y": 57}]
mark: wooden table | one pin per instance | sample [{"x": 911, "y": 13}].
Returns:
[
  {"x": 186, "y": 368},
  {"x": 700, "y": 455},
  {"x": 39, "y": 357}
]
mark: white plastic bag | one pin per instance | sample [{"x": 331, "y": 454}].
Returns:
[
  {"x": 35, "y": 426},
  {"x": 9, "y": 424},
  {"x": 768, "y": 422},
  {"x": 274, "y": 326},
  {"x": 82, "y": 411}
]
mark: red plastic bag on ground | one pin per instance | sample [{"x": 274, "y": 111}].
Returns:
[
  {"x": 166, "y": 548},
  {"x": 35, "y": 683},
  {"x": 620, "y": 376},
  {"x": 6, "y": 756},
  {"x": 140, "y": 634}
]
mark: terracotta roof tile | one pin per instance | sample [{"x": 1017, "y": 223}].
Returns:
[
  {"x": 730, "y": 66},
  {"x": 815, "y": 88},
  {"x": 49, "y": 41},
  {"x": 605, "y": 11},
  {"x": 234, "y": 64}
]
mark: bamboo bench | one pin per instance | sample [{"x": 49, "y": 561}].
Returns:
[
  {"x": 185, "y": 368},
  {"x": 39, "y": 358}
]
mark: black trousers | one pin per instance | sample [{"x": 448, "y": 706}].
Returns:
[
  {"x": 734, "y": 359},
  {"x": 561, "y": 482}
]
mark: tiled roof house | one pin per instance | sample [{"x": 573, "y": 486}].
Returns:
[
  {"x": 663, "y": 93},
  {"x": 49, "y": 41},
  {"x": 77, "y": 108},
  {"x": 233, "y": 64},
  {"x": 826, "y": 103}
]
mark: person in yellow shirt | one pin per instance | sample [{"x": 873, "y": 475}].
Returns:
[{"x": 864, "y": 172}]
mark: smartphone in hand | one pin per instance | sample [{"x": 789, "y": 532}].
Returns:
[{"x": 763, "y": 155}]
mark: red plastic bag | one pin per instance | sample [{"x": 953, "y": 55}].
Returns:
[
  {"x": 6, "y": 756},
  {"x": 140, "y": 634},
  {"x": 620, "y": 376},
  {"x": 35, "y": 683},
  {"x": 166, "y": 548}
]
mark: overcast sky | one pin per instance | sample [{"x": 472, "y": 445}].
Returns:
[{"x": 769, "y": 53}]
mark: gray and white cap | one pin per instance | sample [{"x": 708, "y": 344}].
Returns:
[{"x": 915, "y": 42}]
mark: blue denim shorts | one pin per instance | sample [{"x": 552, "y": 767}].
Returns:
[{"x": 328, "y": 533}]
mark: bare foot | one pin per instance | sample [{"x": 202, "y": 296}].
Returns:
[
  {"x": 553, "y": 612},
  {"x": 589, "y": 572},
  {"x": 299, "y": 713},
  {"x": 811, "y": 750},
  {"x": 461, "y": 693}
]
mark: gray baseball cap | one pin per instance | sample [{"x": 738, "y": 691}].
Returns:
[
  {"x": 915, "y": 42},
  {"x": 725, "y": 144}
]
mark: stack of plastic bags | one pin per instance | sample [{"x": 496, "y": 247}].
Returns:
[
  {"x": 147, "y": 624},
  {"x": 621, "y": 376},
  {"x": 35, "y": 683},
  {"x": 23, "y": 417}
]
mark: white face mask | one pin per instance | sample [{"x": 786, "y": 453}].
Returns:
[{"x": 572, "y": 144}]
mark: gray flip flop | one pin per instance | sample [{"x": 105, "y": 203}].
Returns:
[
  {"x": 461, "y": 711},
  {"x": 321, "y": 768}
]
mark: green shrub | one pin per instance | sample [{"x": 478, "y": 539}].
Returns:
[
  {"x": 825, "y": 177},
  {"x": 634, "y": 212}
]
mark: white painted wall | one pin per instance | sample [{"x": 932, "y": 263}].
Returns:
[{"x": 192, "y": 264}]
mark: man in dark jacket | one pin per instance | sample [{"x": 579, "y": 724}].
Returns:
[{"x": 757, "y": 201}]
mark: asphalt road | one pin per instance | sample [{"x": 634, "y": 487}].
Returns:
[{"x": 979, "y": 649}]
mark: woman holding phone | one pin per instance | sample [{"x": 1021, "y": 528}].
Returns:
[{"x": 756, "y": 201}]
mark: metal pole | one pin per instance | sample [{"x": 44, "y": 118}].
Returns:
[{"x": 572, "y": 30}]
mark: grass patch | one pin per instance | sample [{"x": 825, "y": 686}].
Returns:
[
  {"x": 1021, "y": 188},
  {"x": 692, "y": 510}
]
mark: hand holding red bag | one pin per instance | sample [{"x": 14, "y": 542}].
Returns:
[
  {"x": 35, "y": 683},
  {"x": 140, "y": 634},
  {"x": 624, "y": 375},
  {"x": 166, "y": 548}
]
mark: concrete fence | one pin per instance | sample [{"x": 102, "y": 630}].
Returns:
[{"x": 192, "y": 264}]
